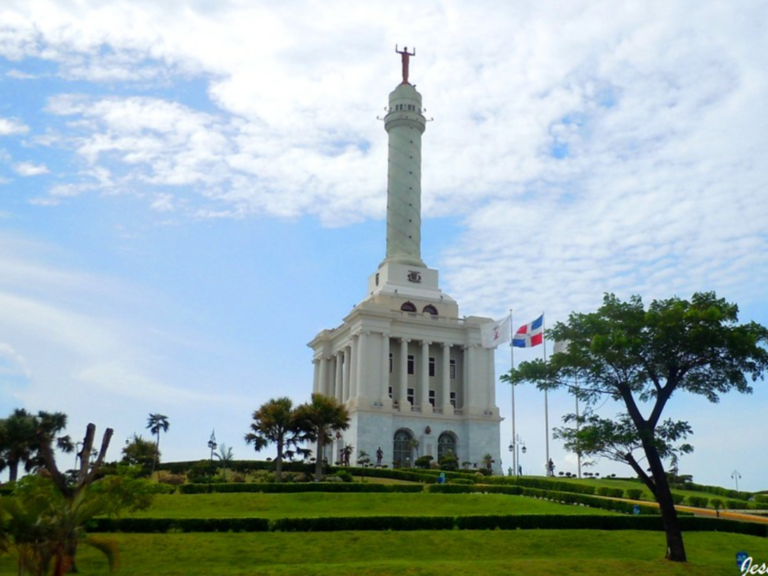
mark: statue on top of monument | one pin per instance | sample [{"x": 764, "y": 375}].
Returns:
[{"x": 405, "y": 56}]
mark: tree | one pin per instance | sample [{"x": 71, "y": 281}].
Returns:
[
  {"x": 140, "y": 452},
  {"x": 155, "y": 424},
  {"x": 640, "y": 358},
  {"x": 225, "y": 457},
  {"x": 20, "y": 435},
  {"x": 275, "y": 422},
  {"x": 318, "y": 419}
]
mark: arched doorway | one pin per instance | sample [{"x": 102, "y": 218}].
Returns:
[
  {"x": 446, "y": 443},
  {"x": 402, "y": 449}
]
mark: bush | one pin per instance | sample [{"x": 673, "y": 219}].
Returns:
[
  {"x": 202, "y": 471},
  {"x": 332, "y": 484},
  {"x": 172, "y": 479},
  {"x": 678, "y": 498},
  {"x": 344, "y": 475},
  {"x": 717, "y": 503},
  {"x": 611, "y": 492},
  {"x": 633, "y": 493},
  {"x": 698, "y": 501},
  {"x": 423, "y": 462}
]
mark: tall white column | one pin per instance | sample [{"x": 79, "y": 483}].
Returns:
[
  {"x": 316, "y": 376},
  {"x": 469, "y": 371},
  {"x": 404, "y": 405},
  {"x": 361, "y": 382},
  {"x": 384, "y": 386},
  {"x": 323, "y": 380},
  {"x": 337, "y": 379},
  {"x": 426, "y": 407},
  {"x": 353, "y": 372},
  {"x": 405, "y": 124},
  {"x": 347, "y": 372},
  {"x": 447, "y": 408}
]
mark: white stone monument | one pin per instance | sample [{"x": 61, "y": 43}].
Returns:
[{"x": 412, "y": 373}]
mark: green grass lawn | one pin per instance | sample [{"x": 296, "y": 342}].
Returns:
[
  {"x": 450, "y": 553},
  {"x": 316, "y": 504}
]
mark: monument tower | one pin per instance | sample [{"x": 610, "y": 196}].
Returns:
[{"x": 412, "y": 373}]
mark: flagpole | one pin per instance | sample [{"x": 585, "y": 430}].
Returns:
[
  {"x": 512, "y": 367},
  {"x": 546, "y": 401}
]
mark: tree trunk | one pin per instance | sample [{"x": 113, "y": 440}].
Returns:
[
  {"x": 13, "y": 470},
  {"x": 675, "y": 546},
  {"x": 279, "y": 464},
  {"x": 319, "y": 459}
]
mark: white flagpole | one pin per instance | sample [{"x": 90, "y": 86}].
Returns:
[
  {"x": 513, "y": 443},
  {"x": 546, "y": 401}
]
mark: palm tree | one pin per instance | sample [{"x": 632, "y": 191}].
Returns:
[
  {"x": 226, "y": 457},
  {"x": 319, "y": 418},
  {"x": 20, "y": 439},
  {"x": 275, "y": 423},
  {"x": 156, "y": 423}
]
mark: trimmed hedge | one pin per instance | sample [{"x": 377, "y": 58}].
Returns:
[
  {"x": 162, "y": 525},
  {"x": 382, "y": 523},
  {"x": 292, "y": 487},
  {"x": 478, "y": 488},
  {"x": 634, "y": 493},
  {"x": 698, "y": 501},
  {"x": 363, "y": 523}
]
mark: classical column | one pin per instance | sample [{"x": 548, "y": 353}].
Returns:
[
  {"x": 347, "y": 372},
  {"x": 447, "y": 408},
  {"x": 316, "y": 377},
  {"x": 353, "y": 372},
  {"x": 384, "y": 386},
  {"x": 338, "y": 376},
  {"x": 426, "y": 407},
  {"x": 361, "y": 382},
  {"x": 404, "y": 405},
  {"x": 468, "y": 356},
  {"x": 323, "y": 380}
]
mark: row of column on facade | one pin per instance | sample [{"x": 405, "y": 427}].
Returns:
[{"x": 346, "y": 375}]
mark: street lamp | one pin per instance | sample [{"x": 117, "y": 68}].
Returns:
[
  {"x": 516, "y": 446},
  {"x": 212, "y": 443},
  {"x": 736, "y": 476}
]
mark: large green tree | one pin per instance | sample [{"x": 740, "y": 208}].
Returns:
[
  {"x": 319, "y": 418},
  {"x": 275, "y": 423},
  {"x": 139, "y": 451},
  {"x": 157, "y": 423},
  {"x": 20, "y": 439},
  {"x": 640, "y": 357}
]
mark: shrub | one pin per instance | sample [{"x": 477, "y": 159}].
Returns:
[
  {"x": 612, "y": 492},
  {"x": 633, "y": 493},
  {"x": 237, "y": 477},
  {"x": 678, "y": 498},
  {"x": 344, "y": 475},
  {"x": 202, "y": 471},
  {"x": 698, "y": 501},
  {"x": 172, "y": 479},
  {"x": 423, "y": 462},
  {"x": 717, "y": 503}
]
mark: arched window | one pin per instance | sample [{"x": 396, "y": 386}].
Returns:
[
  {"x": 402, "y": 449},
  {"x": 446, "y": 443},
  {"x": 408, "y": 307},
  {"x": 429, "y": 309}
]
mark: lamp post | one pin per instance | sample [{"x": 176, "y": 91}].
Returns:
[
  {"x": 736, "y": 476},
  {"x": 212, "y": 443},
  {"x": 515, "y": 447}
]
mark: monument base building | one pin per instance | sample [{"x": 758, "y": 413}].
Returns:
[{"x": 412, "y": 373}]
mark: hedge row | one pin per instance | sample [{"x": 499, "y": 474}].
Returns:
[
  {"x": 291, "y": 487},
  {"x": 400, "y": 523}
]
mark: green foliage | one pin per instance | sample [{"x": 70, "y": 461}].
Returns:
[
  {"x": 678, "y": 498},
  {"x": 423, "y": 462},
  {"x": 140, "y": 452},
  {"x": 21, "y": 435},
  {"x": 638, "y": 356},
  {"x": 157, "y": 423},
  {"x": 610, "y": 492},
  {"x": 449, "y": 462},
  {"x": 717, "y": 503},
  {"x": 634, "y": 493},
  {"x": 276, "y": 422},
  {"x": 698, "y": 501},
  {"x": 202, "y": 472},
  {"x": 318, "y": 419},
  {"x": 294, "y": 487}
]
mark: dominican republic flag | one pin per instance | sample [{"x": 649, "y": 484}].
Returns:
[
  {"x": 530, "y": 335},
  {"x": 494, "y": 333}
]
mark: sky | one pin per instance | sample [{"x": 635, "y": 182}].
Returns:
[{"x": 190, "y": 191}]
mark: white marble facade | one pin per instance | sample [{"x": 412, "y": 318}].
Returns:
[{"x": 403, "y": 361}]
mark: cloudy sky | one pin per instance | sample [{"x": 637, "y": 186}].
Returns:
[{"x": 190, "y": 191}]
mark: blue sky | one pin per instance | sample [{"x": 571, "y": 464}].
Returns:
[{"x": 188, "y": 196}]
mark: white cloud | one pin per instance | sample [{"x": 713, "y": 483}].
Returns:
[
  {"x": 30, "y": 169},
  {"x": 10, "y": 126}
]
